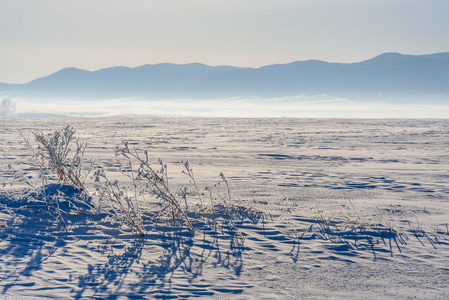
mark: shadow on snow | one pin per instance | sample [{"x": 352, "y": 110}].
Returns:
[{"x": 170, "y": 261}]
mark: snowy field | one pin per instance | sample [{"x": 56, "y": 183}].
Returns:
[{"x": 327, "y": 209}]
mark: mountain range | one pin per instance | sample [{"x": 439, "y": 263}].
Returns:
[{"x": 389, "y": 76}]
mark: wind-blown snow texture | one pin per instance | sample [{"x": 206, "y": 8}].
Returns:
[{"x": 315, "y": 180}]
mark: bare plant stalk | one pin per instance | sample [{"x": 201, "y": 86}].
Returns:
[
  {"x": 156, "y": 181},
  {"x": 189, "y": 172},
  {"x": 228, "y": 190},
  {"x": 120, "y": 199},
  {"x": 52, "y": 153},
  {"x": 19, "y": 177}
]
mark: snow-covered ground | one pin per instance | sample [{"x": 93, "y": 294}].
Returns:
[{"x": 342, "y": 209}]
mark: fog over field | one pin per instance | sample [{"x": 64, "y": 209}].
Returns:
[{"x": 322, "y": 106}]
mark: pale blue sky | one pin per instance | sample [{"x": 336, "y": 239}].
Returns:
[{"x": 39, "y": 37}]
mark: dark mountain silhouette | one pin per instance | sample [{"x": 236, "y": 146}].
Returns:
[
  {"x": 161, "y": 80},
  {"x": 389, "y": 76}
]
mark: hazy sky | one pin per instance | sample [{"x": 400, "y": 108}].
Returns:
[{"x": 39, "y": 37}]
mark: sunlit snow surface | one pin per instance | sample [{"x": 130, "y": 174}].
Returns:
[{"x": 312, "y": 179}]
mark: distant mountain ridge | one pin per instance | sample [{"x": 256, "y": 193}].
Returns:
[{"x": 387, "y": 76}]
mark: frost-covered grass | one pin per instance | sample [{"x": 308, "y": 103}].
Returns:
[{"x": 145, "y": 191}]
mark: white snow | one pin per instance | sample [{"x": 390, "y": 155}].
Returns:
[{"x": 350, "y": 209}]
